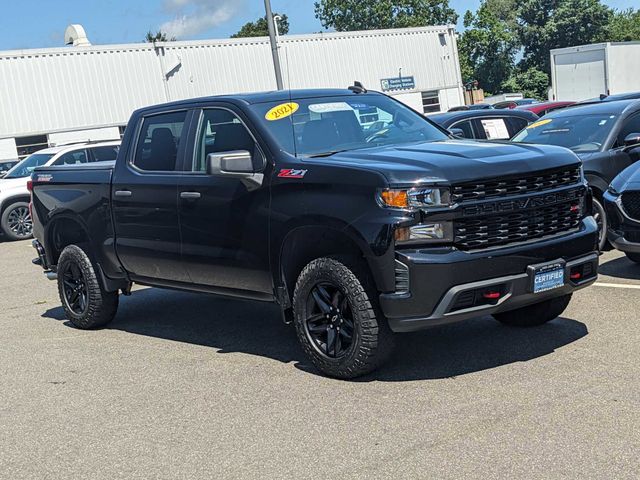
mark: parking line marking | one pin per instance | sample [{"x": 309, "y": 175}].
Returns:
[{"x": 617, "y": 285}]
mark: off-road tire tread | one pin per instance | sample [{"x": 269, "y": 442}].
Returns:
[
  {"x": 536, "y": 314},
  {"x": 375, "y": 336},
  {"x": 103, "y": 305}
]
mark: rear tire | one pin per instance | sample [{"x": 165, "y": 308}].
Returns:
[
  {"x": 86, "y": 304},
  {"x": 634, "y": 257},
  {"x": 16, "y": 221},
  {"x": 536, "y": 314},
  {"x": 337, "y": 318}
]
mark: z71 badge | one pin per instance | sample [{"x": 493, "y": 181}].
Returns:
[{"x": 292, "y": 173}]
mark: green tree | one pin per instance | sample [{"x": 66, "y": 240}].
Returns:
[
  {"x": 532, "y": 83},
  {"x": 346, "y": 15},
  {"x": 548, "y": 24},
  {"x": 259, "y": 28},
  {"x": 159, "y": 36},
  {"x": 489, "y": 44},
  {"x": 624, "y": 26}
]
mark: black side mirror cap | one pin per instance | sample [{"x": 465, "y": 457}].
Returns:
[{"x": 632, "y": 140}]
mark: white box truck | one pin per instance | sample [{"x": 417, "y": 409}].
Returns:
[{"x": 587, "y": 71}]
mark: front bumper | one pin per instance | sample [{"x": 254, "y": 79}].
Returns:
[
  {"x": 623, "y": 232},
  {"x": 440, "y": 279}
]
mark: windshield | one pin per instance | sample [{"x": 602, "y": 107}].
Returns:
[
  {"x": 26, "y": 166},
  {"x": 580, "y": 133},
  {"x": 326, "y": 125}
]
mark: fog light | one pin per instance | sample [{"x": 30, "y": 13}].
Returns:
[{"x": 425, "y": 233}]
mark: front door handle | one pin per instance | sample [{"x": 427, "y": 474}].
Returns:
[
  {"x": 190, "y": 195},
  {"x": 122, "y": 193}
]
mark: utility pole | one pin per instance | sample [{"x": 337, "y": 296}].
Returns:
[{"x": 274, "y": 43}]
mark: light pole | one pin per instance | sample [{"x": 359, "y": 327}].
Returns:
[{"x": 274, "y": 43}]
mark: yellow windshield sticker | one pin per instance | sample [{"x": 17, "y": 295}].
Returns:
[
  {"x": 282, "y": 111},
  {"x": 540, "y": 123}
]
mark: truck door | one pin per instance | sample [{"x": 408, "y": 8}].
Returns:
[
  {"x": 224, "y": 219},
  {"x": 145, "y": 200}
]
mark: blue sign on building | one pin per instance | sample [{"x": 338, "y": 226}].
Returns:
[{"x": 398, "y": 83}]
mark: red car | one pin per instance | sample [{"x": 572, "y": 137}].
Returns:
[{"x": 543, "y": 108}]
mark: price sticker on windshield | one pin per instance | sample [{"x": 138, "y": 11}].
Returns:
[{"x": 281, "y": 111}]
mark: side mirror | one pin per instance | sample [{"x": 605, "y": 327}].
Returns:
[
  {"x": 632, "y": 140},
  {"x": 457, "y": 132},
  {"x": 236, "y": 163}
]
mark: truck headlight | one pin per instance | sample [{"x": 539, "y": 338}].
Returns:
[
  {"x": 417, "y": 197},
  {"x": 441, "y": 232}
]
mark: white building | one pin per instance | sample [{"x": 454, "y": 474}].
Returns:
[
  {"x": 587, "y": 71},
  {"x": 57, "y": 95}
]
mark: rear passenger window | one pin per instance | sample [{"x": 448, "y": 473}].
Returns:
[
  {"x": 495, "y": 128},
  {"x": 157, "y": 146},
  {"x": 516, "y": 124},
  {"x": 73, "y": 158},
  {"x": 105, "y": 154}
]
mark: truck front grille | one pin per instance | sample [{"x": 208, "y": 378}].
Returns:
[
  {"x": 516, "y": 185},
  {"x": 503, "y": 229},
  {"x": 631, "y": 204}
]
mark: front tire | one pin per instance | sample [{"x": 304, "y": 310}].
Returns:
[
  {"x": 600, "y": 216},
  {"x": 337, "y": 319},
  {"x": 16, "y": 221},
  {"x": 634, "y": 257},
  {"x": 536, "y": 314},
  {"x": 86, "y": 304}
]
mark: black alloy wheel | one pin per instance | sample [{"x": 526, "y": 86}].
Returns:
[
  {"x": 75, "y": 289},
  {"x": 19, "y": 222},
  {"x": 329, "y": 324}
]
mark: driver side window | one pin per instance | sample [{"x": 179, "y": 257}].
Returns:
[{"x": 222, "y": 131}]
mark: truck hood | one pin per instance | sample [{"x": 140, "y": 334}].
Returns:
[{"x": 452, "y": 161}]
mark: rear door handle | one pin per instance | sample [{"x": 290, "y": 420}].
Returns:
[
  {"x": 190, "y": 195},
  {"x": 122, "y": 193}
]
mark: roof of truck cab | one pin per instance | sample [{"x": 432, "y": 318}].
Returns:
[
  {"x": 77, "y": 146},
  {"x": 265, "y": 97}
]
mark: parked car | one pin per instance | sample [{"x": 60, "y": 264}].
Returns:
[
  {"x": 15, "y": 218},
  {"x": 601, "y": 134},
  {"x": 514, "y": 103},
  {"x": 622, "y": 203},
  {"x": 485, "y": 124},
  {"x": 542, "y": 108},
  {"x": 475, "y": 106},
  {"x": 284, "y": 197},
  {"x": 611, "y": 98},
  {"x": 5, "y": 166}
]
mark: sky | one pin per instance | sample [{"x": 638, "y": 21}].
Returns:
[{"x": 41, "y": 23}]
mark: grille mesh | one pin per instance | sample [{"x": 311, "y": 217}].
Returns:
[
  {"x": 503, "y": 229},
  {"x": 631, "y": 204},
  {"x": 504, "y": 187}
]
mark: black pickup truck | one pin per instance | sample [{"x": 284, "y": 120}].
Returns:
[{"x": 358, "y": 216}]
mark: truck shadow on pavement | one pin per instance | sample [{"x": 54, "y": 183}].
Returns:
[
  {"x": 257, "y": 329},
  {"x": 620, "y": 267}
]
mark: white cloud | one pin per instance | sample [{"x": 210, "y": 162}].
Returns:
[{"x": 192, "y": 17}]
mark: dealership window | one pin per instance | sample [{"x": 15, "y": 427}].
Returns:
[
  {"x": 430, "y": 101},
  {"x": 28, "y": 145}
]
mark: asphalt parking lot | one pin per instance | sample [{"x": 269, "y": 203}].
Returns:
[{"x": 191, "y": 386}]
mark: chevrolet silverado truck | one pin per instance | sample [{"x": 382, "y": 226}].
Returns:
[{"x": 292, "y": 197}]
